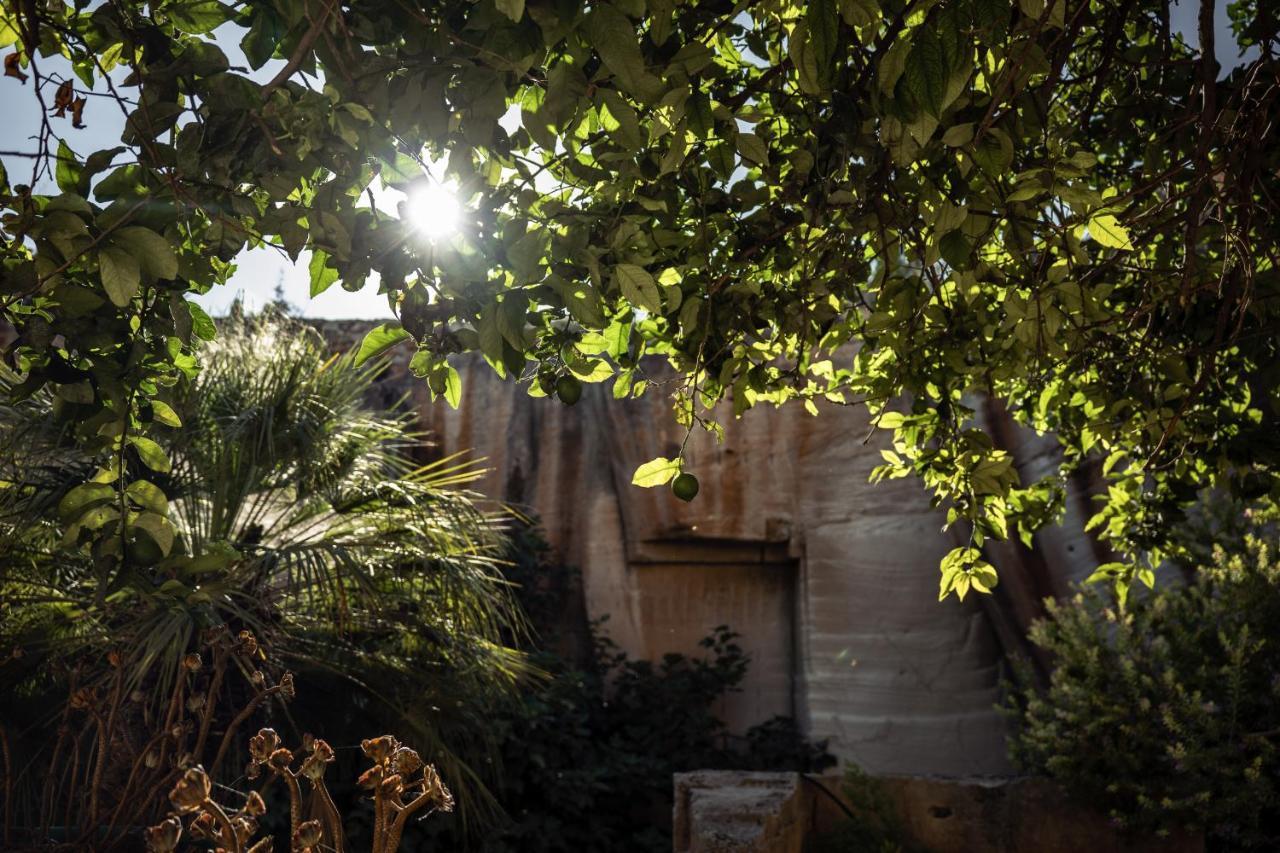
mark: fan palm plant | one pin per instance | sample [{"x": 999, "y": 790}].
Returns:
[{"x": 298, "y": 514}]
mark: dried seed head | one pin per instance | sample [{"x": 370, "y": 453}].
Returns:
[
  {"x": 405, "y": 761},
  {"x": 392, "y": 785},
  {"x": 244, "y": 827},
  {"x": 84, "y": 698},
  {"x": 261, "y": 745},
  {"x": 191, "y": 791},
  {"x": 252, "y": 770},
  {"x": 195, "y": 703},
  {"x": 379, "y": 748},
  {"x": 322, "y": 750},
  {"x": 308, "y": 834},
  {"x": 254, "y": 805},
  {"x": 257, "y": 679},
  {"x": 370, "y": 778},
  {"x": 192, "y": 662},
  {"x": 137, "y": 696},
  {"x": 163, "y": 837},
  {"x": 434, "y": 785},
  {"x": 205, "y": 826},
  {"x": 286, "y": 686},
  {"x": 280, "y": 760},
  {"x": 248, "y": 643},
  {"x": 321, "y": 754},
  {"x": 114, "y": 659},
  {"x": 151, "y": 760},
  {"x": 312, "y": 769},
  {"x": 308, "y": 741}
]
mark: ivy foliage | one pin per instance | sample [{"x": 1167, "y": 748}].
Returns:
[{"x": 904, "y": 203}]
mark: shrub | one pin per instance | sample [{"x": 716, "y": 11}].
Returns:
[
  {"x": 1165, "y": 712},
  {"x": 589, "y": 751},
  {"x": 588, "y": 757}
]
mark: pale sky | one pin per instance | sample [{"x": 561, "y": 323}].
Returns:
[{"x": 259, "y": 271}]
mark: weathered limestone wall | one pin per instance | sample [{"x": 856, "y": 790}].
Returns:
[{"x": 832, "y": 582}]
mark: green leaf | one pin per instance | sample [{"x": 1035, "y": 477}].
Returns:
[
  {"x": 82, "y": 497},
  {"x": 158, "y": 528},
  {"x": 151, "y": 454},
  {"x": 264, "y": 34},
  {"x": 823, "y": 21},
  {"x": 198, "y": 16},
  {"x": 752, "y": 147},
  {"x": 322, "y": 275},
  {"x": 152, "y": 251},
  {"x": 513, "y": 9},
  {"x": 958, "y": 135},
  {"x": 68, "y": 171},
  {"x": 378, "y": 340},
  {"x": 804, "y": 60},
  {"x": 720, "y": 158},
  {"x": 163, "y": 413},
  {"x": 638, "y": 287},
  {"x": 1108, "y": 231},
  {"x": 75, "y": 392},
  {"x": 148, "y": 496},
  {"x": 452, "y": 387},
  {"x": 120, "y": 275},
  {"x": 926, "y": 73},
  {"x": 592, "y": 369},
  {"x": 991, "y": 475},
  {"x": 892, "y": 66},
  {"x": 614, "y": 38},
  {"x": 489, "y": 333},
  {"x": 202, "y": 325},
  {"x": 627, "y": 133},
  {"x": 956, "y": 249},
  {"x": 656, "y": 472},
  {"x": 891, "y": 420}
]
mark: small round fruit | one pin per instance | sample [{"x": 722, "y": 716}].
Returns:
[
  {"x": 568, "y": 389},
  {"x": 685, "y": 487}
]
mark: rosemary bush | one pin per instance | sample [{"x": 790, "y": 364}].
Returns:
[{"x": 1165, "y": 712}]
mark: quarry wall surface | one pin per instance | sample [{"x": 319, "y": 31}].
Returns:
[{"x": 831, "y": 581}]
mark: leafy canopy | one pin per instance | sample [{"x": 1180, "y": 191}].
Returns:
[{"x": 907, "y": 203}]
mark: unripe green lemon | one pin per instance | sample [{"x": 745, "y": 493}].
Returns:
[
  {"x": 685, "y": 487},
  {"x": 568, "y": 389}
]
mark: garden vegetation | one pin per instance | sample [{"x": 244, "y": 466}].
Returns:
[{"x": 1059, "y": 204}]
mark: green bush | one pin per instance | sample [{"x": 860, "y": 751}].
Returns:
[
  {"x": 1165, "y": 713},
  {"x": 588, "y": 752}
]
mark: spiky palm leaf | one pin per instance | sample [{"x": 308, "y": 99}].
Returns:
[{"x": 300, "y": 514}]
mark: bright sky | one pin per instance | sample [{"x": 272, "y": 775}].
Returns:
[{"x": 259, "y": 271}]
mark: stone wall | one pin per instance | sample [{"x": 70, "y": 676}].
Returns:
[
  {"x": 831, "y": 581},
  {"x": 736, "y": 812}
]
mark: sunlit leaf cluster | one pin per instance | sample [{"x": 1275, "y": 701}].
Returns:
[{"x": 1052, "y": 207}]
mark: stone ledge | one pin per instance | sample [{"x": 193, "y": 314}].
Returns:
[
  {"x": 725, "y": 811},
  {"x": 744, "y": 812}
]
